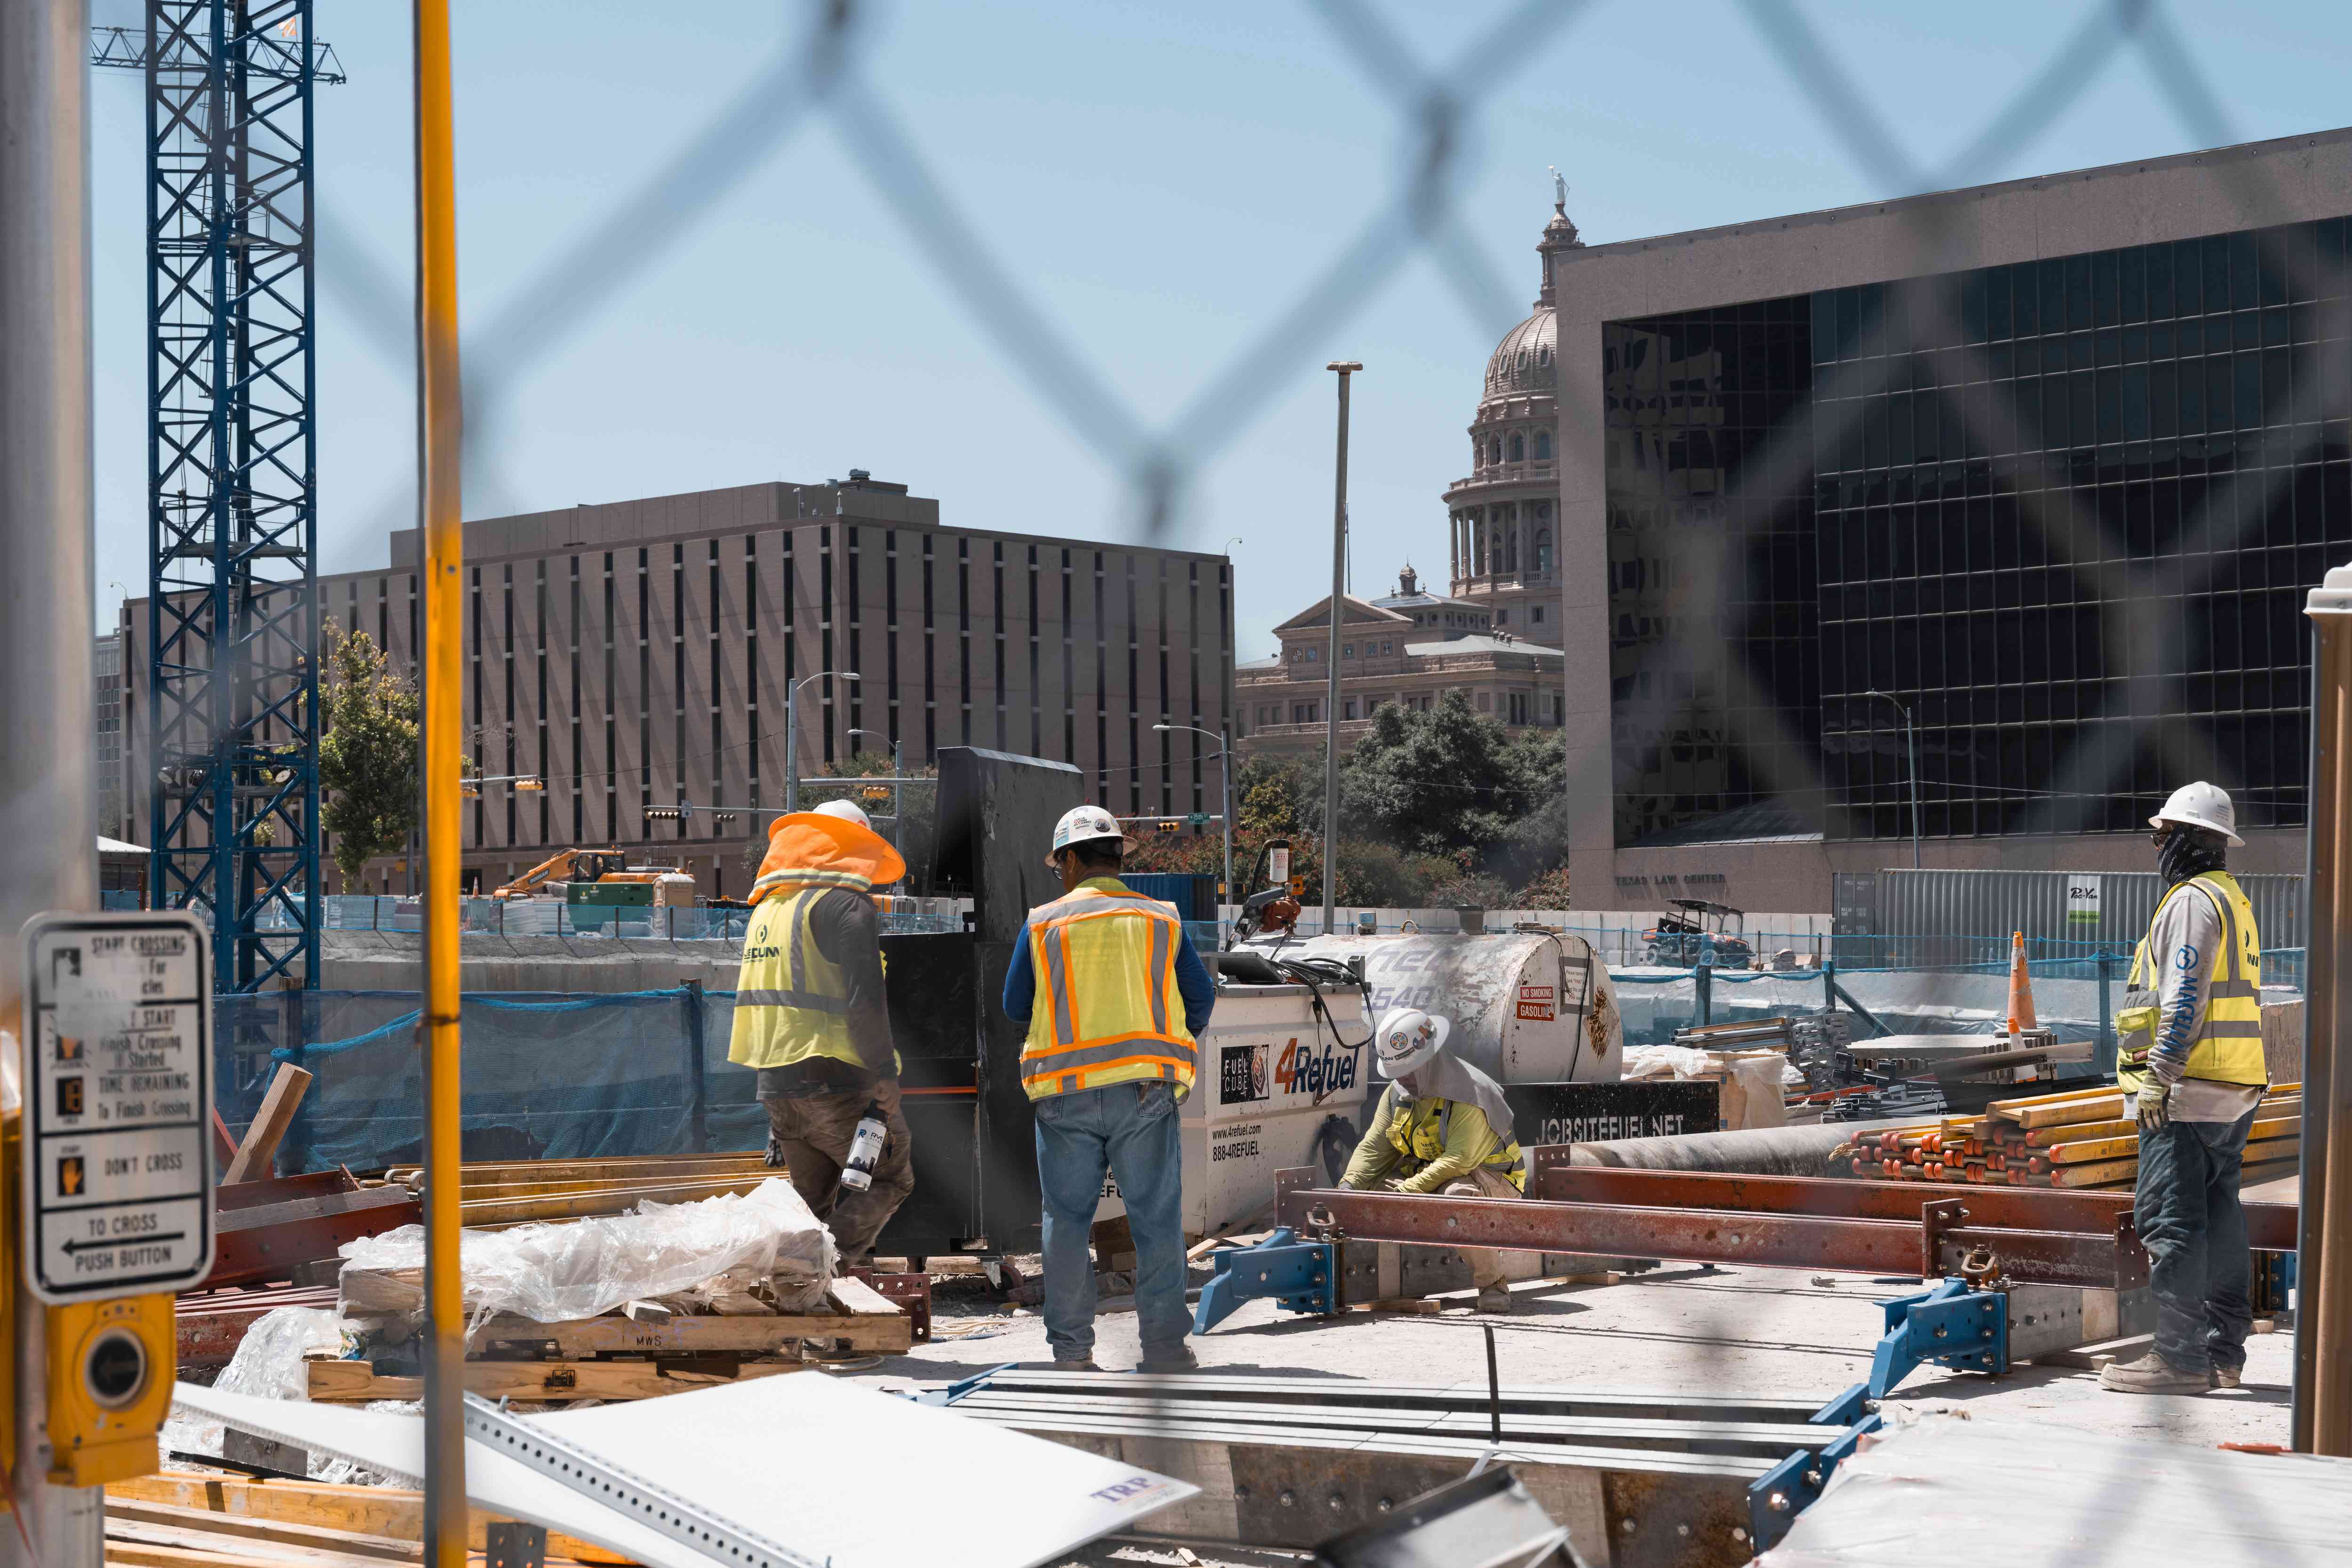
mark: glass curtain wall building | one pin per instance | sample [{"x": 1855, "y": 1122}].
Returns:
[{"x": 2064, "y": 512}]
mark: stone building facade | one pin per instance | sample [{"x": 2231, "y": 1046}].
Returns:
[
  {"x": 1408, "y": 647},
  {"x": 637, "y": 654}
]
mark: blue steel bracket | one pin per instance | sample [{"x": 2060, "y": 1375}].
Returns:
[
  {"x": 1302, "y": 1276},
  {"x": 1952, "y": 1324}
]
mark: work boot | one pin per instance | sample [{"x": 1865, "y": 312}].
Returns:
[
  {"x": 2151, "y": 1374},
  {"x": 1495, "y": 1299},
  {"x": 2224, "y": 1376},
  {"x": 1180, "y": 1359}
]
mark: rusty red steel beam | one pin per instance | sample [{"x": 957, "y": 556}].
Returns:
[
  {"x": 1838, "y": 1243},
  {"x": 2271, "y": 1227},
  {"x": 264, "y": 1243}
]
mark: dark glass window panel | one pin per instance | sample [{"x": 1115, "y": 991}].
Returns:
[
  {"x": 2053, "y": 275},
  {"x": 2105, "y": 308},
  {"x": 2216, "y": 252},
  {"x": 2159, "y": 281},
  {"x": 2077, "y": 272},
  {"x": 2132, "y": 282}
]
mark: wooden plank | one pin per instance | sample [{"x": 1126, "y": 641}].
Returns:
[
  {"x": 2095, "y": 1175},
  {"x": 859, "y": 1299},
  {"x": 616, "y": 1334},
  {"x": 355, "y": 1382},
  {"x": 280, "y": 1532},
  {"x": 168, "y": 1546},
  {"x": 395, "y": 1512},
  {"x": 276, "y": 1113}
]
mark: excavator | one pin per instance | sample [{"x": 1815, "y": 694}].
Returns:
[{"x": 671, "y": 888}]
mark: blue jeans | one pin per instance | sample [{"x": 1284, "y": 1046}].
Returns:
[
  {"x": 2190, "y": 1222},
  {"x": 1130, "y": 1128}
]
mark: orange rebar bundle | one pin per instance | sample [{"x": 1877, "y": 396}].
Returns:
[{"x": 2079, "y": 1138}]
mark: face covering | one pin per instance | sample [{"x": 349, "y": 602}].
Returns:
[{"x": 2182, "y": 856}]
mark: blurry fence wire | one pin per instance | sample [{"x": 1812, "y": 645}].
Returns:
[{"x": 818, "y": 71}]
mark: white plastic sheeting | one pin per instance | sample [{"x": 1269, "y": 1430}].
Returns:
[
  {"x": 836, "y": 1473},
  {"x": 1945, "y": 1491},
  {"x": 555, "y": 1273},
  {"x": 268, "y": 1365}
]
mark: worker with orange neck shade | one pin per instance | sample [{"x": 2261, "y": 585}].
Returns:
[{"x": 810, "y": 1019}]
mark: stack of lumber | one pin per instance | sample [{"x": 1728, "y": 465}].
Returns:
[
  {"x": 645, "y": 1349},
  {"x": 206, "y": 1519},
  {"x": 2087, "y": 1138},
  {"x": 497, "y": 1195}
]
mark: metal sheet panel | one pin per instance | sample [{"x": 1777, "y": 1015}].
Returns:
[{"x": 1927, "y": 917}]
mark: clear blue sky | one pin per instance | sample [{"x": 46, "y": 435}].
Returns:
[{"x": 1161, "y": 181}]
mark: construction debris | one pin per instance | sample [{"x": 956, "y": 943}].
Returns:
[{"x": 496, "y": 1195}]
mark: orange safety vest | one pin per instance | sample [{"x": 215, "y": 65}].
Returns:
[{"x": 1107, "y": 1010}]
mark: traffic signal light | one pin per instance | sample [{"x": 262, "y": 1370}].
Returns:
[
  {"x": 875, "y": 791},
  {"x": 1168, "y": 824},
  {"x": 666, "y": 813},
  {"x": 530, "y": 784}
]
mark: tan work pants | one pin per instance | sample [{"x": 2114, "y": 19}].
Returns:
[
  {"x": 1486, "y": 1264},
  {"x": 816, "y": 1132}
]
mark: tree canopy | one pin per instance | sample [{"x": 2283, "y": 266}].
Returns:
[{"x": 367, "y": 754}]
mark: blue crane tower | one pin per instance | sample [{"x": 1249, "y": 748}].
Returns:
[{"x": 233, "y": 623}]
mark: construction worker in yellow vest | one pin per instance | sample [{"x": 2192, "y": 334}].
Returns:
[
  {"x": 1442, "y": 1126},
  {"x": 811, "y": 1018},
  {"x": 2190, "y": 1059},
  {"x": 1114, "y": 997}
]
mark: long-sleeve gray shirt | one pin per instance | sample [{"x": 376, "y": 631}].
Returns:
[{"x": 2187, "y": 933}]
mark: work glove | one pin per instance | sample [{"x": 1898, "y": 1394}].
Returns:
[
  {"x": 774, "y": 1157},
  {"x": 2151, "y": 1105}
]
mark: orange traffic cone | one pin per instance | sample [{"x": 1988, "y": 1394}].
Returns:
[{"x": 2020, "y": 988}]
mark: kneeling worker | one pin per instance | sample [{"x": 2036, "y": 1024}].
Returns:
[
  {"x": 1442, "y": 1126},
  {"x": 1114, "y": 997},
  {"x": 810, "y": 1016}
]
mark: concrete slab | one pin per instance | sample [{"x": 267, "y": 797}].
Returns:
[{"x": 1679, "y": 1330}]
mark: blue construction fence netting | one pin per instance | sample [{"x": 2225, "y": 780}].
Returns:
[{"x": 546, "y": 1076}]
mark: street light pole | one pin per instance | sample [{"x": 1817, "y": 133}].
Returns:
[
  {"x": 793, "y": 734},
  {"x": 1911, "y": 752},
  {"x": 1345, "y": 367},
  {"x": 1225, "y": 759}
]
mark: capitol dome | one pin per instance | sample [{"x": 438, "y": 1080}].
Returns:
[{"x": 1522, "y": 363}]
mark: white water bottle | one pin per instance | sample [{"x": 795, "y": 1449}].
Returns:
[{"x": 865, "y": 1149}]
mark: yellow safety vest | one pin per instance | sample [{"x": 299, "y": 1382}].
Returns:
[
  {"x": 791, "y": 1002},
  {"x": 1419, "y": 1129},
  {"x": 2228, "y": 1048},
  {"x": 1108, "y": 1010}
]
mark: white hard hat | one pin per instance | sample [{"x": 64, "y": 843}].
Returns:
[
  {"x": 847, "y": 810},
  {"x": 1084, "y": 824},
  {"x": 2200, "y": 805},
  {"x": 1407, "y": 1038}
]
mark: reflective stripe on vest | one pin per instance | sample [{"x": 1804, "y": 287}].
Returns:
[
  {"x": 1106, "y": 1012},
  {"x": 791, "y": 1002},
  {"x": 1507, "y": 1158},
  {"x": 2228, "y": 1046}
]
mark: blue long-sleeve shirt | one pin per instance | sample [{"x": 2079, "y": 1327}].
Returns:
[{"x": 1192, "y": 981}]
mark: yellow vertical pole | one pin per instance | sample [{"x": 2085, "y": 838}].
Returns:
[{"x": 439, "y": 422}]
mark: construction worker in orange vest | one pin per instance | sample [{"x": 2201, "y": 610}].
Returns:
[
  {"x": 811, "y": 1018},
  {"x": 1114, "y": 997}
]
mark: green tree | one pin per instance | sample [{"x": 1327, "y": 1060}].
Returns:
[
  {"x": 367, "y": 756},
  {"x": 1440, "y": 782}
]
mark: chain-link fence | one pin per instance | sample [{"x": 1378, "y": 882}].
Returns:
[{"x": 2107, "y": 470}]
